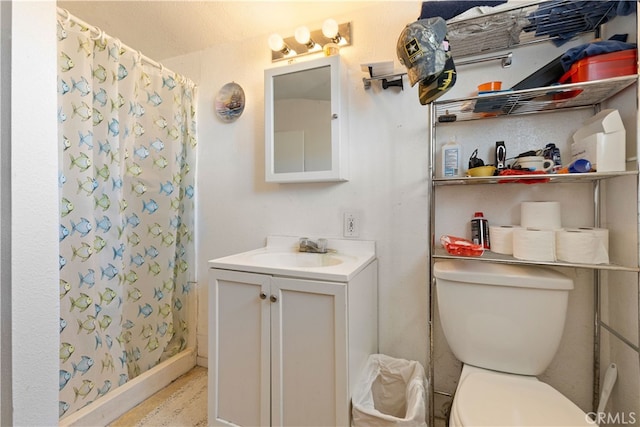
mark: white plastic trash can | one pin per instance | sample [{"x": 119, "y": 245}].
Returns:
[{"x": 390, "y": 392}]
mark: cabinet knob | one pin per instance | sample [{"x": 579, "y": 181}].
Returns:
[
  {"x": 263, "y": 295},
  {"x": 273, "y": 298}
]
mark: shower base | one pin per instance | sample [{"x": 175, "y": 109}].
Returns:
[{"x": 135, "y": 391}]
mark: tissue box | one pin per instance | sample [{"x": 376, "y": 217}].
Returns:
[
  {"x": 605, "y": 151},
  {"x": 602, "y": 141}
]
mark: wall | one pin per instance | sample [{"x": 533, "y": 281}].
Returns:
[
  {"x": 388, "y": 168},
  {"x": 34, "y": 215},
  {"x": 5, "y": 212},
  {"x": 388, "y": 134},
  {"x": 388, "y": 187},
  {"x": 620, "y": 319}
]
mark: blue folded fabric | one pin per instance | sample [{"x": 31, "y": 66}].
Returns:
[
  {"x": 448, "y": 9},
  {"x": 551, "y": 18},
  {"x": 590, "y": 49}
]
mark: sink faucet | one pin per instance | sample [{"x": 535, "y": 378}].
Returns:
[{"x": 308, "y": 245}]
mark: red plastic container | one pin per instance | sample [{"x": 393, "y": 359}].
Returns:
[
  {"x": 603, "y": 66},
  {"x": 461, "y": 247}
]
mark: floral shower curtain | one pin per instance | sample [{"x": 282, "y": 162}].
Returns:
[{"x": 126, "y": 153}]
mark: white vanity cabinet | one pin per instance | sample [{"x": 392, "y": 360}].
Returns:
[{"x": 286, "y": 351}]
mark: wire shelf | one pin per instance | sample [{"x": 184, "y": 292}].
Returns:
[
  {"x": 537, "y": 178},
  {"x": 488, "y": 256},
  {"x": 574, "y": 95},
  {"x": 532, "y": 22}
]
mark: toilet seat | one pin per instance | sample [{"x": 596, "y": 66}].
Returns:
[{"x": 495, "y": 399}]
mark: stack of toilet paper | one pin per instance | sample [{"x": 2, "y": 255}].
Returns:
[{"x": 540, "y": 237}]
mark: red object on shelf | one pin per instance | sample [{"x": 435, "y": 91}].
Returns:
[
  {"x": 602, "y": 66},
  {"x": 461, "y": 247},
  {"x": 516, "y": 172}
]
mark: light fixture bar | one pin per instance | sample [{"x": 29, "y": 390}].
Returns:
[{"x": 318, "y": 37}]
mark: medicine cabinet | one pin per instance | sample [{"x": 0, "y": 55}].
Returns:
[{"x": 305, "y": 122}]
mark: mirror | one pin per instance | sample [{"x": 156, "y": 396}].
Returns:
[{"x": 304, "y": 122}]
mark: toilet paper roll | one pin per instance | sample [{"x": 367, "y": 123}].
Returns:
[
  {"x": 542, "y": 215},
  {"x": 603, "y": 233},
  {"x": 533, "y": 244},
  {"x": 502, "y": 238},
  {"x": 583, "y": 245}
]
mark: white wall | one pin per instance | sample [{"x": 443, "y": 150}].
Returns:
[
  {"x": 388, "y": 163},
  {"x": 34, "y": 216},
  {"x": 388, "y": 185},
  {"x": 388, "y": 134},
  {"x": 621, "y": 291},
  {"x": 5, "y": 224},
  {"x": 388, "y": 170}
]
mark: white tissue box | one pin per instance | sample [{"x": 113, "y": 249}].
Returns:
[
  {"x": 605, "y": 151},
  {"x": 602, "y": 141}
]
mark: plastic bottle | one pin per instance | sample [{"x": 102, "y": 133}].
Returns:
[
  {"x": 480, "y": 230},
  {"x": 553, "y": 153},
  {"x": 451, "y": 159}
]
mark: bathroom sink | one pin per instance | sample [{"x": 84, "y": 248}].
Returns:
[
  {"x": 280, "y": 256},
  {"x": 299, "y": 259}
]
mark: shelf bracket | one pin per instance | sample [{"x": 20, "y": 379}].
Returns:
[
  {"x": 388, "y": 80},
  {"x": 506, "y": 60}
]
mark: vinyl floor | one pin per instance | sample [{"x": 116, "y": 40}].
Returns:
[{"x": 183, "y": 403}]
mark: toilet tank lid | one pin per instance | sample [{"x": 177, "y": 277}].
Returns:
[{"x": 488, "y": 273}]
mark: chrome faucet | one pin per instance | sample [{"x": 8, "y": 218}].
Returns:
[{"x": 308, "y": 245}]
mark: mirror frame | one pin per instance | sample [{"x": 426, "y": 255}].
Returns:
[{"x": 339, "y": 153}]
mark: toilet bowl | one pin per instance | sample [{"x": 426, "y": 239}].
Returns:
[
  {"x": 489, "y": 398},
  {"x": 504, "y": 323}
]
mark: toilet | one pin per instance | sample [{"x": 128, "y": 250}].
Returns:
[{"x": 504, "y": 323}]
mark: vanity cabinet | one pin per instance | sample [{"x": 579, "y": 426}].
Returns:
[{"x": 286, "y": 351}]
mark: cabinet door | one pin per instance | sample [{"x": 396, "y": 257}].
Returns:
[
  {"x": 309, "y": 353},
  {"x": 239, "y": 349}
]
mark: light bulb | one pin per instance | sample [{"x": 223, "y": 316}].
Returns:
[
  {"x": 303, "y": 35},
  {"x": 276, "y": 43},
  {"x": 330, "y": 28}
]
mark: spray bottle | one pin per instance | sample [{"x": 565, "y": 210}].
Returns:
[{"x": 480, "y": 230}]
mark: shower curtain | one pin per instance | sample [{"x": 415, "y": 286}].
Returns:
[{"x": 126, "y": 153}]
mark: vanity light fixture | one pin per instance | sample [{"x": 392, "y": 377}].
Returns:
[
  {"x": 277, "y": 44},
  {"x": 331, "y": 31},
  {"x": 305, "y": 42},
  {"x": 303, "y": 36}
]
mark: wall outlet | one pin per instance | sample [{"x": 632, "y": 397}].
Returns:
[{"x": 351, "y": 224}]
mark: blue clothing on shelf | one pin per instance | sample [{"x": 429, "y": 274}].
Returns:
[
  {"x": 447, "y": 9},
  {"x": 562, "y": 20},
  {"x": 590, "y": 49}
]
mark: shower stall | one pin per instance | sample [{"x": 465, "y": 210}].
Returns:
[{"x": 127, "y": 145}]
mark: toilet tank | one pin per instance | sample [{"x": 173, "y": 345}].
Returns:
[{"x": 507, "y": 318}]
